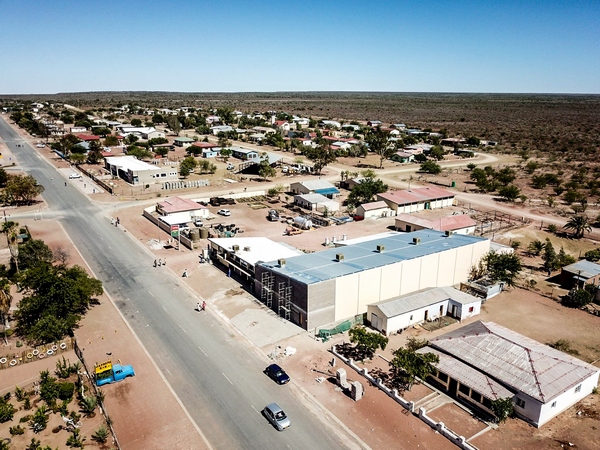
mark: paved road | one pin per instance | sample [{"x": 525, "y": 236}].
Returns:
[{"x": 217, "y": 378}]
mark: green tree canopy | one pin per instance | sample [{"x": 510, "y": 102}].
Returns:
[
  {"x": 22, "y": 189},
  {"x": 579, "y": 225},
  {"x": 407, "y": 366},
  {"x": 365, "y": 191},
  {"x": 187, "y": 165},
  {"x": 366, "y": 342},
  {"x": 34, "y": 252},
  {"x": 431, "y": 167},
  {"x": 321, "y": 156},
  {"x": 503, "y": 267},
  {"x": 265, "y": 170}
]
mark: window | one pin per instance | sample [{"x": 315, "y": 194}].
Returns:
[
  {"x": 476, "y": 396},
  {"x": 464, "y": 389},
  {"x": 471, "y": 309},
  {"x": 554, "y": 404},
  {"x": 520, "y": 403},
  {"x": 578, "y": 389},
  {"x": 411, "y": 317},
  {"x": 443, "y": 377}
]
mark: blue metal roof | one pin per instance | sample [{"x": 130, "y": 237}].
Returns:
[
  {"x": 320, "y": 266},
  {"x": 327, "y": 191}
]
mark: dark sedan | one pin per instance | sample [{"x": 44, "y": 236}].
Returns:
[{"x": 277, "y": 374}]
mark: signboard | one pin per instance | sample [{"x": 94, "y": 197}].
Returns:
[
  {"x": 103, "y": 367},
  {"x": 174, "y": 230}
]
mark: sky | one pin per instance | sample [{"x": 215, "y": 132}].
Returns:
[{"x": 52, "y": 46}]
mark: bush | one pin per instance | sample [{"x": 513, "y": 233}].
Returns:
[
  {"x": 593, "y": 255},
  {"x": 552, "y": 228},
  {"x": 16, "y": 430},
  {"x": 101, "y": 435},
  {"x": 7, "y": 411},
  {"x": 65, "y": 391},
  {"x": 577, "y": 299}
]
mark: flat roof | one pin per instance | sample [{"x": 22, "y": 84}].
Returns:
[
  {"x": 130, "y": 163},
  {"x": 314, "y": 198},
  {"x": 178, "y": 204},
  {"x": 420, "y": 299},
  {"x": 255, "y": 249},
  {"x": 314, "y": 185},
  {"x": 517, "y": 361},
  {"x": 320, "y": 266}
]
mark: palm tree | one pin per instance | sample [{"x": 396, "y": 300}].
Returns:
[
  {"x": 579, "y": 225},
  {"x": 5, "y": 301},
  {"x": 10, "y": 229}
]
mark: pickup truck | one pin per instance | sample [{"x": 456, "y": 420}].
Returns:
[{"x": 107, "y": 372}]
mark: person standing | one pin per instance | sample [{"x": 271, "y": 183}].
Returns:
[
  {"x": 198, "y": 307},
  {"x": 203, "y": 305},
  {"x": 159, "y": 262}
]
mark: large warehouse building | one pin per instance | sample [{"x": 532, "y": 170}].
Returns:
[{"x": 317, "y": 289}]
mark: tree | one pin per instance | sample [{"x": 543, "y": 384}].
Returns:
[
  {"x": 535, "y": 247},
  {"x": 503, "y": 267},
  {"x": 174, "y": 124},
  {"x": 111, "y": 141},
  {"x": 55, "y": 299},
  {"x": 22, "y": 189},
  {"x": 139, "y": 152},
  {"x": 158, "y": 118},
  {"x": 265, "y": 170},
  {"x": 367, "y": 342},
  {"x": 577, "y": 299},
  {"x": 226, "y": 153},
  {"x": 34, "y": 252},
  {"x": 431, "y": 167},
  {"x": 321, "y": 156},
  {"x": 187, "y": 166},
  {"x": 379, "y": 144},
  {"x": 3, "y": 178},
  {"x": 136, "y": 123},
  {"x": 549, "y": 257},
  {"x": 5, "y": 301},
  {"x": 510, "y": 192},
  {"x": 131, "y": 139},
  {"x": 365, "y": 191},
  {"x": 437, "y": 152},
  {"x": 579, "y": 225},
  {"x": 503, "y": 408},
  {"x": 407, "y": 365}
]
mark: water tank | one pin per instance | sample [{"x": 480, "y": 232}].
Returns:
[
  {"x": 203, "y": 233},
  {"x": 303, "y": 222},
  {"x": 195, "y": 234}
]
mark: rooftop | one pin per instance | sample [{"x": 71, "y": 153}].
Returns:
[
  {"x": 417, "y": 195},
  {"x": 448, "y": 223},
  {"x": 584, "y": 269},
  {"x": 130, "y": 163},
  {"x": 256, "y": 249},
  {"x": 521, "y": 363},
  {"x": 178, "y": 204},
  {"x": 323, "y": 265}
]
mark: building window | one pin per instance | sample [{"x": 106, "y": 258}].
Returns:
[
  {"x": 410, "y": 318},
  {"x": 471, "y": 309},
  {"x": 476, "y": 396},
  {"x": 554, "y": 404},
  {"x": 464, "y": 389},
  {"x": 520, "y": 403},
  {"x": 443, "y": 377},
  {"x": 578, "y": 389}
]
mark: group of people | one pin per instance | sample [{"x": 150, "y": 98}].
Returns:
[
  {"x": 201, "y": 307},
  {"x": 160, "y": 262},
  {"x": 115, "y": 222}
]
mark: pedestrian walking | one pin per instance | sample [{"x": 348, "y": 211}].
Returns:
[
  {"x": 112, "y": 221},
  {"x": 154, "y": 263},
  {"x": 118, "y": 221},
  {"x": 185, "y": 273},
  {"x": 165, "y": 262},
  {"x": 203, "y": 305},
  {"x": 159, "y": 262},
  {"x": 198, "y": 307}
]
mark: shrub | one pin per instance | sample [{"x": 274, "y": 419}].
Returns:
[
  {"x": 88, "y": 405},
  {"x": 577, "y": 299},
  {"x": 7, "y": 411},
  {"x": 101, "y": 435},
  {"x": 16, "y": 430},
  {"x": 552, "y": 228},
  {"x": 65, "y": 391},
  {"x": 19, "y": 393},
  {"x": 39, "y": 420},
  {"x": 75, "y": 440}
]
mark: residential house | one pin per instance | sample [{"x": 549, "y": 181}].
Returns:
[
  {"x": 417, "y": 199},
  {"x": 579, "y": 274},
  {"x": 183, "y": 141},
  {"x": 221, "y": 129},
  {"x": 374, "y": 210},
  {"x": 460, "y": 223},
  {"x": 135, "y": 172},
  {"x": 319, "y": 186}
]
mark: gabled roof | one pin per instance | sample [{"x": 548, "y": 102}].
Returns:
[
  {"x": 315, "y": 185},
  {"x": 420, "y": 299},
  {"x": 417, "y": 195},
  {"x": 178, "y": 204},
  {"x": 518, "y": 362},
  {"x": 374, "y": 205},
  {"x": 88, "y": 137},
  {"x": 448, "y": 223}
]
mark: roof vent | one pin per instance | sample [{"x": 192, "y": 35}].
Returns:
[
  {"x": 235, "y": 248},
  {"x": 247, "y": 249},
  {"x": 281, "y": 262},
  {"x": 380, "y": 248},
  {"x": 339, "y": 257},
  {"x": 416, "y": 241},
  {"x": 448, "y": 233}
]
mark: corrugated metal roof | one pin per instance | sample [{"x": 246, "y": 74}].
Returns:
[
  {"x": 323, "y": 265},
  {"x": 448, "y": 223},
  {"x": 418, "y": 195},
  {"x": 584, "y": 269},
  {"x": 521, "y": 363},
  {"x": 313, "y": 185},
  {"x": 468, "y": 376},
  {"x": 420, "y": 299}
]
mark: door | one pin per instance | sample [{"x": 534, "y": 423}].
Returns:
[
  {"x": 426, "y": 315},
  {"x": 441, "y": 311},
  {"x": 375, "y": 322},
  {"x": 455, "y": 311},
  {"x": 408, "y": 228},
  {"x": 427, "y": 205}
]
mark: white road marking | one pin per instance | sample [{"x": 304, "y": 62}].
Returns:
[
  {"x": 254, "y": 409},
  {"x": 168, "y": 371},
  {"x": 151, "y": 294},
  {"x": 227, "y": 378},
  {"x": 202, "y": 351},
  {"x": 182, "y": 329},
  {"x": 165, "y": 309}
]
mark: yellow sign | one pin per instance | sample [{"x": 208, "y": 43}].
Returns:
[{"x": 103, "y": 367}]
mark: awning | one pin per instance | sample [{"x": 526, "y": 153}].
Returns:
[{"x": 327, "y": 191}]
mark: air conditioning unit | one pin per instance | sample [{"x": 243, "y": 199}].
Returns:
[
  {"x": 380, "y": 248},
  {"x": 448, "y": 233},
  {"x": 416, "y": 241},
  {"x": 339, "y": 257},
  {"x": 246, "y": 249},
  {"x": 235, "y": 248},
  {"x": 281, "y": 262}
]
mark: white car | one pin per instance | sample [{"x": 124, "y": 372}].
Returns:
[
  {"x": 74, "y": 176},
  {"x": 40, "y": 145},
  {"x": 224, "y": 212}
]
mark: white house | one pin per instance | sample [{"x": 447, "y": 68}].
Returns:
[
  {"x": 374, "y": 210},
  {"x": 319, "y": 186},
  {"x": 316, "y": 202},
  {"x": 459, "y": 223},
  {"x": 425, "y": 305},
  {"x": 483, "y": 361},
  {"x": 417, "y": 199}
]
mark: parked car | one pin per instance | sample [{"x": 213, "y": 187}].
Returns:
[
  {"x": 224, "y": 212},
  {"x": 230, "y": 166},
  {"x": 74, "y": 176},
  {"x": 198, "y": 222},
  {"x": 276, "y": 416},
  {"x": 277, "y": 374},
  {"x": 40, "y": 145},
  {"x": 273, "y": 215}
]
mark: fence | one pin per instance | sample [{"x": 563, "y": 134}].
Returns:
[
  {"x": 96, "y": 180},
  {"x": 24, "y": 355},
  {"x": 459, "y": 441},
  {"x": 326, "y": 333},
  {"x": 97, "y": 393}
]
